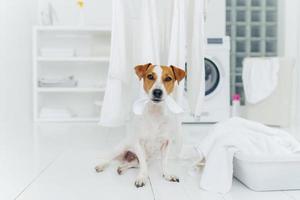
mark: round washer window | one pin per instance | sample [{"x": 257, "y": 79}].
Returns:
[{"x": 212, "y": 76}]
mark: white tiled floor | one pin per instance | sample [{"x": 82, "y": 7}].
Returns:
[{"x": 56, "y": 161}]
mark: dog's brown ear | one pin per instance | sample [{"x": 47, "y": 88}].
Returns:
[
  {"x": 140, "y": 70},
  {"x": 178, "y": 73}
]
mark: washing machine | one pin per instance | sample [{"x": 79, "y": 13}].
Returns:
[{"x": 216, "y": 106}]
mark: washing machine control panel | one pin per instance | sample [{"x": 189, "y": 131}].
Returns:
[{"x": 215, "y": 41}]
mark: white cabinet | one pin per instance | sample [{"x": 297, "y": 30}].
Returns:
[{"x": 81, "y": 53}]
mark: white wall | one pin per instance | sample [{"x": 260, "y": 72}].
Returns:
[
  {"x": 290, "y": 26},
  {"x": 216, "y": 18},
  {"x": 2, "y": 92},
  {"x": 96, "y": 12},
  {"x": 290, "y": 33},
  {"x": 296, "y": 122},
  {"x": 16, "y": 20}
]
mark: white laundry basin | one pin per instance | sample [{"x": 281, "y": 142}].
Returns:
[{"x": 261, "y": 173}]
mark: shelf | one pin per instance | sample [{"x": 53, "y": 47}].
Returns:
[
  {"x": 73, "y": 28},
  {"x": 75, "y": 119},
  {"x": 91, "y": 44},
  {"x": 77, "y": 89},
  {"x": 73, "y": 59}
]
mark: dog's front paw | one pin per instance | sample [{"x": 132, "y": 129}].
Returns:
[
  {"x": 120, "y": 170},
  {"x": 100, "y": 168},
  {"x": 140, "y": 182},
  {"x": 171, "y": 178}
]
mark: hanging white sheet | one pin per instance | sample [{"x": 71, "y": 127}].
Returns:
[{"x": 166, "y": 32}]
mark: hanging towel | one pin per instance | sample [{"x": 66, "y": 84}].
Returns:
[
  {"x": 239, "y": 135},
  {"x": 260, "y": 78},
  {"x": 166, "y": 32}
]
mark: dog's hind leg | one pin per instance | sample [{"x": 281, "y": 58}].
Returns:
[
  {"x": 117, "y": 152},
  {"x": 127, "y": 165}
]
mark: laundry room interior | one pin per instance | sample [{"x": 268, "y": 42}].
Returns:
[{"x": 76, "y": 74}]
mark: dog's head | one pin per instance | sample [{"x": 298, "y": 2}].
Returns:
[{"x": 159, "y": 81}]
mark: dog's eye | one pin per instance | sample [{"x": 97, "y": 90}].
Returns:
[
  {"x": 168, "y": 79},
  {"x": 150, "y": 77}
]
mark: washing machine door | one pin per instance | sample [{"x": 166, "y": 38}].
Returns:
[{"x": 212, "y": 77}]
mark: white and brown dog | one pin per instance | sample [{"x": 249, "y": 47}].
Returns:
[{"x": 153, "y": 130}]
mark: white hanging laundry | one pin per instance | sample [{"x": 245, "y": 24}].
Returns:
[
  {"x": 166, "y": 32},
  {"x": 260, "y": 78},
  {"x": 178, "y": 44},
  {"x": 115, "y": 102},
  {"x": 195, "y": 54}
]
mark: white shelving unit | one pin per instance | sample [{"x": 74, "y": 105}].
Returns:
[{"x": 88, "y": 65}]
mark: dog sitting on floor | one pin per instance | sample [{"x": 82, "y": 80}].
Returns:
[{"x": 154, "y": 129}]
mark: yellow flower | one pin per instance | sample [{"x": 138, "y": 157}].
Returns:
[{"x": 80, "y": 3}]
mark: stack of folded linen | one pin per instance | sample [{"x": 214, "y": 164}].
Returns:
[
  {"x": 56, "y": 112},
  {"x": 58, "y": 82}
]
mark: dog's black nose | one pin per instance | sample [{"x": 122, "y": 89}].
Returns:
[{"x": 157, "y": 93}]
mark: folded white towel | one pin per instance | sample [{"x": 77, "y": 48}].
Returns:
[
  {"x": 260, "y": 77},
  {"x": 58, "y": 82},
  {"x": 239, "y": 135}
]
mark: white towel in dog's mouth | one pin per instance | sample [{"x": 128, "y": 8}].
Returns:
[{"x": 139, "y": 105}]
